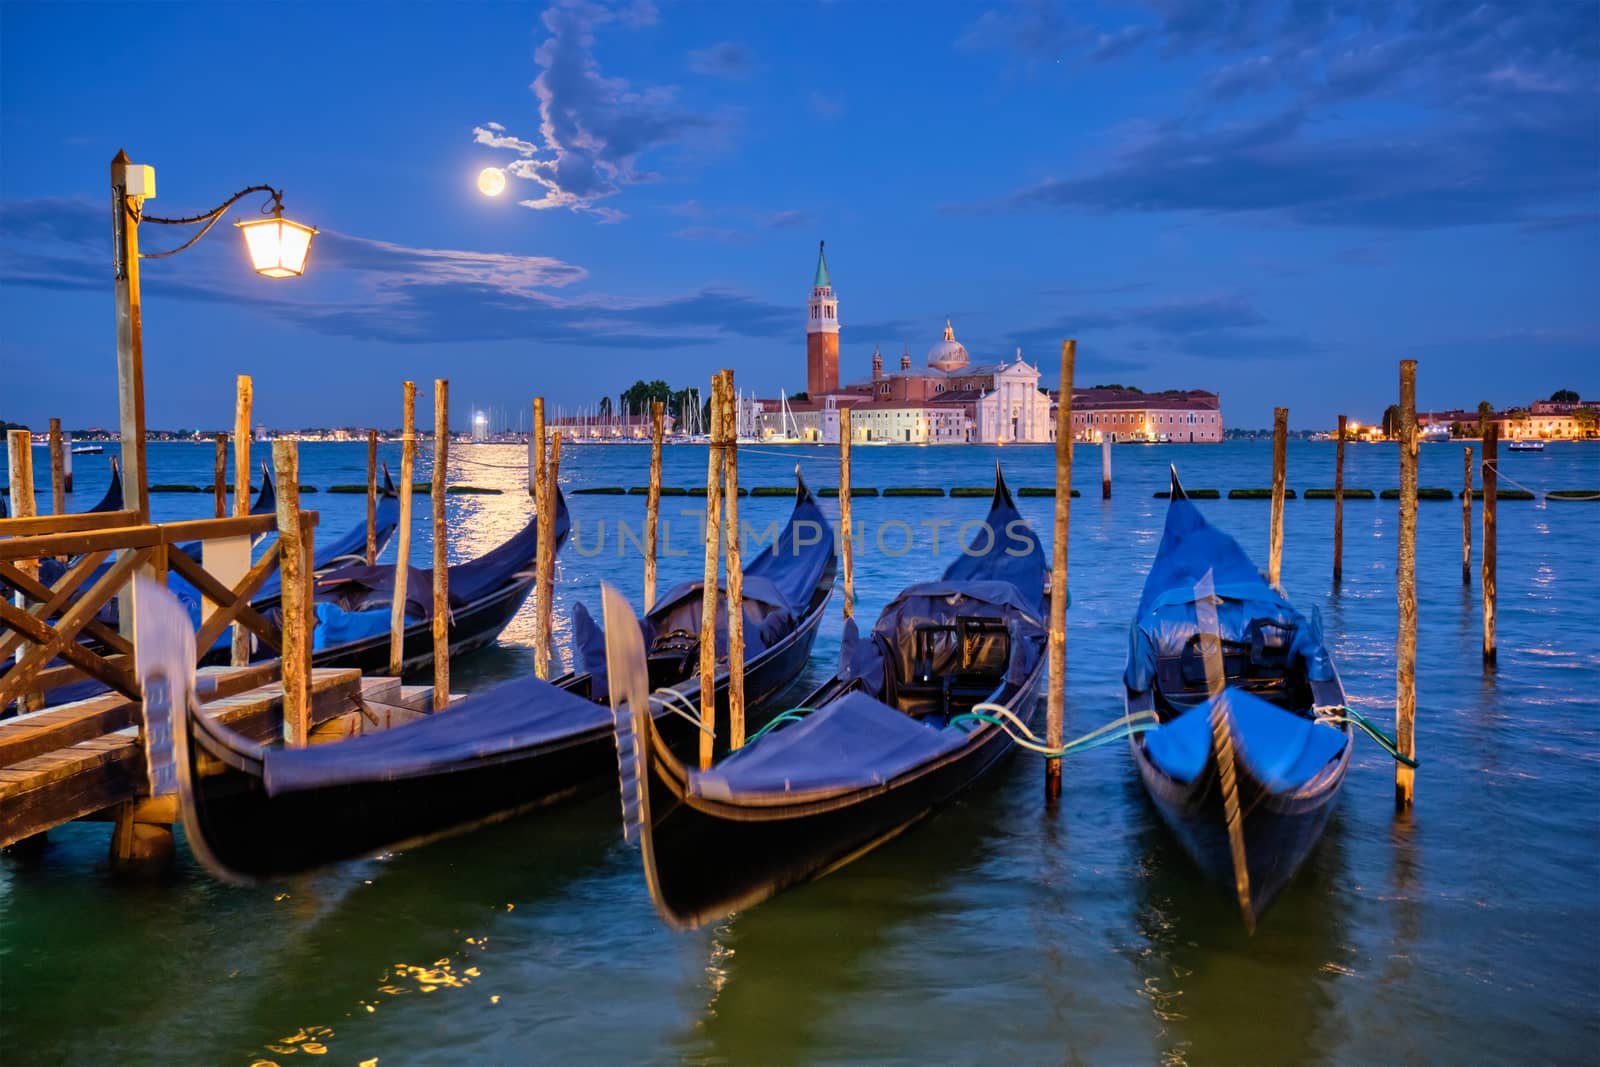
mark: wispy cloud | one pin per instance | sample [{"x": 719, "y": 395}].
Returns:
[
  {"x": 593, "y": 129},
  {"x": 369, "y": 289},
  {"x": 726, "y": 59}
]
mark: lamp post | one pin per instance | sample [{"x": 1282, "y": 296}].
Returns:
[{"x": 277, "y": 247}]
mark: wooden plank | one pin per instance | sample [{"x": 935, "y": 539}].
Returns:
[
  {"x": 71, "y": 523},
  {"x": 77, "y": 543},
  {"x": 92, "y": 775},
  {"x": 208, "y": 529}
]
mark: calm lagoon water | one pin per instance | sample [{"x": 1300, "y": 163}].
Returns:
[{"x": 1467, "y": 932}]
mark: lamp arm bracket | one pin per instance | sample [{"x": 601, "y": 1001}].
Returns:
[{"x": 209, "y": 218}]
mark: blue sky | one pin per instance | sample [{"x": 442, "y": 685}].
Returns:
[{"x": 1275, "y": 201}]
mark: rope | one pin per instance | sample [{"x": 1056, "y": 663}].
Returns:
[
  {"x": 1003, "y": 717},
  {"x": 1332, "y": 714},
  {"x": 792, "y": 715},
  {"x": 692, "y": 714},
  {"x": 1542, "y": 494}
]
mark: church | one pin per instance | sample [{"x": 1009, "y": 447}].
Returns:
[{"x": 949, "y": 400}]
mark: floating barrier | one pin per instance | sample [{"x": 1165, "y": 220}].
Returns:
[
  {"x": 1256, "y": 494},
  {"x": 475, "y": 490},
  {"x": 1349, "y": 494},
  {"x": 855, "y": 490},
  {"x": 1040, "y": 490},
  {"x": 178, "y": 489},
  {"x": 971, "y": 491},
  {"x": 600, "y": 490},
  {"x": 912, "y": 490},
  {"x": 772, "y": 490},
  {"x": 1195, "y": 494},
  {"x": 1430, "y": 493},
  {"x": 1502, "y": 494},
  {"x": 1573, "y": 494},
  {"x": 348, "y": 489}
]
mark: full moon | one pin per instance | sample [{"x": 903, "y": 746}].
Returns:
[{"x": 491, "y": 181}]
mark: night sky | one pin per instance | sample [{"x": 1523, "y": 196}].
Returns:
[{"x": 1273, "y": 201}]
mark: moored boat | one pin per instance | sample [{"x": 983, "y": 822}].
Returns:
[
  {"x": 253, "y": 812},
  {"x": 1526, "y": 445},
  {"x": 914, "y": 715},
  {"x": 1240, "y": 682}
]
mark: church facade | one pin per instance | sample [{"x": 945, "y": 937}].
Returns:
[{"x": 948, "y": 401}]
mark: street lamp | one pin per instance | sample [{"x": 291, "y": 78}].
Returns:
[{"x": 277, "y": 247}]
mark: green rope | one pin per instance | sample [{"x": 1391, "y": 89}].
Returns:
[
  {"x": 1331, "y": 714},
  {"x": 1116, "y": 730},
  {"x": 792, "y": 715}
]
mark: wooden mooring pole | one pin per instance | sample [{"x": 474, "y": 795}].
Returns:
[
  {"x": 846, "y": 535},
  {"x": 1338, "y": 504},
  {"x": 1466, "y": 517},
  {"x": 296, "y": 661},
  {"x": 1490, "y": 477},
  {"x": 652, "y": 504},
  {"x": 244, "y": 396},
  {"x": 1405, "y": 714},
  {"x": 402, "y": 562},
  {"x": 19, "y": 456},
  {"x": 372, "y": 497},
  {"x": 708, "y": 604},
  {"x": 219, "y": 478},
  {"x": 1057, "y": 701},
  {"x": 441, "y": 545},
  {"x": 730, "y": 479},
  {"x": 58, "y": 471},
  {"x": 541, "y": 640},
  {"x": 1105, "y": 468},
  {"x": 546, "y": 579},
  {"x": 1280, "y": 462}
]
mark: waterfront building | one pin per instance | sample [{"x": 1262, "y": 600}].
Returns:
[
  {"x": 1178, "y": 416},
  {"x": 601, "y": 428}
]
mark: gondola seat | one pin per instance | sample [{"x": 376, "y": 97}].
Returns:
[{"x": 1282, "y": 750}]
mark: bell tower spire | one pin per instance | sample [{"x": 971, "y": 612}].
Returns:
[{"x": 822, "y": 333}]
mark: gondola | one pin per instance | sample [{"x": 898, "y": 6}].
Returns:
[
  {"x": 911, "y": 719},
  {"x": 353, "y": 604},
  {"x": 251, "y": 812},
  {"x": 1276, "y": 674}
]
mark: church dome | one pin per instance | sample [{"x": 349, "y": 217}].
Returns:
[{"x": 948, "y": 354}]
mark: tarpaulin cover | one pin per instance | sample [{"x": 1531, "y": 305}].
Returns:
[
  {"x": 1246, "y": 604},
  {"x": 1004, "y": 549},
  {"x": 778, "y": 585},
  {"x": 1282, "y": 750},
  {"x": 519, "y": 714},
  {"x": 359, "y": 587},
  {"x": 854, "y": 742}
]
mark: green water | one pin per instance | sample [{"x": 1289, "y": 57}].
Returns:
[{"x": 997, "y": 931}]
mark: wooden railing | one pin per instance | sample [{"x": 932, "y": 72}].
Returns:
[{"x": 59, "y": 614}]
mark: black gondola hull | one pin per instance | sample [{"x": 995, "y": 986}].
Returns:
[{"x": 243, "y": 834}]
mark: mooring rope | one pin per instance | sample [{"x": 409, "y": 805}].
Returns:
[
  {"x": 1542, "y": 494},
  {"x": 692, "y": 713},
  {"x": 1338, "y": 714}
]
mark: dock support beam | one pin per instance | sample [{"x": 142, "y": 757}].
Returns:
[
  {"x": 1406, "y": 589},
  {"x": 708, "y": 610},
  {"x": 441, "y": 545},
  {"x": 244, "y": 395},
  {"x": 402, "y": 562},
  {"x": 1057, "y": 701},
  {"x": 1280, "y": 462},
  {"x": 296, "y": 580},
  {"x": 652, "y": 505},
  {"x": 730, "y": 479},
  {"x": 1338, "y": 504},
  {"x": 846, "y": 535},
  {"x": 1491, "y": 494}
]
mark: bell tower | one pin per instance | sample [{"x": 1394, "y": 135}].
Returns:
[{"x": 822, "y": 334}]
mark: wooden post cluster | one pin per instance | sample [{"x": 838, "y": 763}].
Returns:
[
  {"x": 846, "y": 535},
  {"x": 1338, "y": 504},
  {"x": 441, "y": 545},
  {"x": 244, "y": 396},
  {"x": 1406, "y": 588},
  {"x": 546, "y": 575},
  {"x": 1057, "y": 701},
  {"x": 652, "y": 506},
  {"x": 372, "y": 497},
  {"x": 1280, "y": 462},
  {"x": 730, "y": 481},
  {"x": 708, "y": 603},
  {"x": 1105, "y": 468},
  {"x": 1491, "y": 493},
  {"x": 1466, "y": 517},
  {"x": 541, "y": 639},
  {"x": 402, "y": 562},
  {"x": 58, "y": 471},
  {"x": 295, "y": 576}
]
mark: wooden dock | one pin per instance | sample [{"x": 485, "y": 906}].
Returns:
[{"x": 85, "y": 760}]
